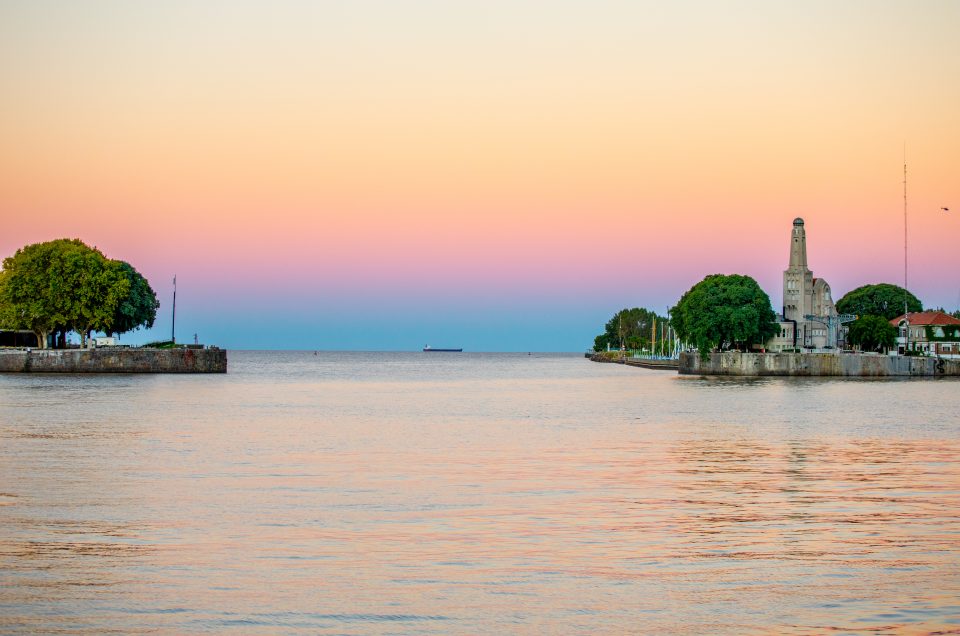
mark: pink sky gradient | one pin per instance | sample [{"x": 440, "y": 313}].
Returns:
[{"x": 436, "y": 160}]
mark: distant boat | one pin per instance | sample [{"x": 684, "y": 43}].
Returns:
[{"x": 429, "y": 348}]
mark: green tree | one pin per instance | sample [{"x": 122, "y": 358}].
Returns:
[
  {"x": 98, "y": 286},
  {"x": 7, "y": 319},
  {"x": 34, "y": 289},
  {"x": 724, "y": 312},
  {"x": 872, "y": 333},
  {"x": 631, "y": 327},
  {"x": 599, "y": 343},
  {"x": 65, "y": 285},
  {"x": 139, "y": 307},
  {"x": 883, "y": 299}
]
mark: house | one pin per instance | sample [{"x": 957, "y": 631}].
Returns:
[{"x": 932, "y": 333}]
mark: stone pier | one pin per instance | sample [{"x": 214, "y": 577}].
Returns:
[
  {"x": 816, "y": 364},
  {"x": 114, "y": 360}
]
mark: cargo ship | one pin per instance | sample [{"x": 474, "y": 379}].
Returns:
[{"x": 429, "y": 348}]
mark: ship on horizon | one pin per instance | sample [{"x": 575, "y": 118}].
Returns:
[{"x": 429, "y": 348}]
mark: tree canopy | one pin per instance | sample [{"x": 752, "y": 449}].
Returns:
[
  {"x": 139, "y": 307},
  {"x": 883, "y": 300},
  {"x": 65, "y": 285},
  {"x": 631, "y": 327},
  {"x": 724, "y": 311},
  {"x": 872, "y": 333}
]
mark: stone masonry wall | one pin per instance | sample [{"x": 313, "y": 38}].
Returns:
[
  {"x": 816, "y": 364},
  {"x": 115, "y": 361}
]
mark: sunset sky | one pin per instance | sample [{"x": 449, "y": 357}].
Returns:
[{"x": 382, "y": 174}]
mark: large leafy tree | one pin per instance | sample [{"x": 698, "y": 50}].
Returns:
[
  {"x": 65, "y": 285},
  {"x": 724, "y": 311},
  {"x": 631, "y": 327},
  {"x": 883, "y": 300},
  {"x": 34, "y": 287},
  {"x": 98, "y": 287},
  {"x": 872, "y": 333}
]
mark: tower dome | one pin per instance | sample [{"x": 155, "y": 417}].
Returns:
[{"x": 798, "y": 221}]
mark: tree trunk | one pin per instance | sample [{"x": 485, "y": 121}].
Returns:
[{"x": 41, "y": 338}]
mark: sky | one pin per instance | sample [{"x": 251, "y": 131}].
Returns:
[{"x": 493, "y": 175}]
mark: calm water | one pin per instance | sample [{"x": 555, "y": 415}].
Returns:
[{"x": 465, "y": 493}]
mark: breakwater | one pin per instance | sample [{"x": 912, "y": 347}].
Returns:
[
  {"x": 110, "y": 360},
  {"x": 644, "y": 363},
  {"x": 816, "y": 364}
]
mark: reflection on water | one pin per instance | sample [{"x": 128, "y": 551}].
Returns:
[{"x": 411, "y": 493}]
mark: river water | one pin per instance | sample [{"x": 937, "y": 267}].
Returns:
[{"x": 412, "y": 493}]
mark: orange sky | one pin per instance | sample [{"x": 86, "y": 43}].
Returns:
[{"x": 354, "y": 143}]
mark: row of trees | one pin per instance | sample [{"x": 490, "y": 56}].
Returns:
[
  {"x": 875, "y": 306},
  {"x": 629, "y": 329},
  {"x": 733, "y": 312},
  {"x": 65, "y": 285}
]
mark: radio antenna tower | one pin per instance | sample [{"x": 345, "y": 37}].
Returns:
[
  {"x": 906, "y": 314},
  {"x": 904, "y": 223}
]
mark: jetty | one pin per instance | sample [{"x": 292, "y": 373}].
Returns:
[
  {"x": 114, "y": 360},
  {"x": 615, "y": 357},
  {"x": 865, "y": 365},
  {"x": 736, "y": 363}
]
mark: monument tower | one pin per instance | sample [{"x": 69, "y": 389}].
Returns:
[
  {"x": 809, "y": 318},
  {"x": 797, "y": 278}
]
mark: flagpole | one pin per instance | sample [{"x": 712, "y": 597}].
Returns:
[{"x": 173, "y": 323}]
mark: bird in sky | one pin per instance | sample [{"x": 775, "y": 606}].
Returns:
[{"x": 945, "y": 209}]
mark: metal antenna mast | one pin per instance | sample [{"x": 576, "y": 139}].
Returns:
[
  {"x": 906, "y": 315},
  {"x": 904, "y": 225}
]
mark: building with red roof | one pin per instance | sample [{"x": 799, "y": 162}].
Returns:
[{"x": 929, "y": 332}]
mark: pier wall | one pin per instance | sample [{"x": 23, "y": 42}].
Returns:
[
  {"x": 816, "y": 364},
  {"x": 118, "y": 360},
  {"x": 657, "y": 364}
]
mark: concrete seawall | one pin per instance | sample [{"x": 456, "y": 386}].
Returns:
[
  {"x": 816, "y": 364},
  {"x": 644, "y": 363},
  {"x": 115, "y": 361}
]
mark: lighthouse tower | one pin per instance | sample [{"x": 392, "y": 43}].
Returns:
[
  {"x": 809, "y": 316},
  {"x": 797, "y": 278}
]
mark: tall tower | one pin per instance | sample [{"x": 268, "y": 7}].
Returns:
[
  {"x": 798, "y": 246},
  {"x": 797, "y": 278}
]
